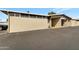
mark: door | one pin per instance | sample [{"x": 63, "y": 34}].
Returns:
[{"x": 54, "y": 22}]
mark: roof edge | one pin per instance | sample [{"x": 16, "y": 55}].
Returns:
[{"x": 23, "y": 12}]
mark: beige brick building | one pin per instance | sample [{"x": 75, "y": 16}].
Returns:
[{"x": 18, "y": 21}]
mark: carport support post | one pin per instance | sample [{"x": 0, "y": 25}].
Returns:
[
  {"x": 8, "y": 22},
  {"x": 50, "y": 23}
]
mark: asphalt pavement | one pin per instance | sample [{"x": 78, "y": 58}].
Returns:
[{"x": 47, "y": 39}]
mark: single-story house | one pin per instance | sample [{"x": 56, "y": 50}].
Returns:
[{"x": 20, "y": 21}]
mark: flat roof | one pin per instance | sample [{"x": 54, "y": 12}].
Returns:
[{"x": 8, "y": 11}]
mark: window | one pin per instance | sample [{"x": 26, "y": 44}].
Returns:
[
  {"x": 11, "y": 14},
  {"x": 32, "y": 16},
  {"x": 44, "y": 17},
  {"x": 39, "y": 17},
  {"x": 24, "y": 15},
  {"x": 16, "y": 14}
]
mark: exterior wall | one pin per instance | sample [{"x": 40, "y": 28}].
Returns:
[
  {"x": 57, "y": 23},
  {"x": 77, "y": 23},
  {"x": 67, "y": 23},
  {"x": 18, "y": 24},
  {"x": 74, "y": 23}
]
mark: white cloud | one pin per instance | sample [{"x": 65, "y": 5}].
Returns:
[
  {"x": 59, "y": 10},
  {"x": 63, "y": 9},
  {"x": 75, "y": 17}
]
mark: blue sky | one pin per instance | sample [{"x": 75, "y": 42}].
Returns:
[{"x": 72, "y": 12}]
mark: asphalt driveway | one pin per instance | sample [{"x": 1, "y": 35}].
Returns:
[{"x": 48, "y": 39}]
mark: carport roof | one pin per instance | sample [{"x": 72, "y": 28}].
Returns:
[{"x": 7, "y": 11}]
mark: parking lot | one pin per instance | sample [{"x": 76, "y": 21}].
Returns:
[{"x": 47, "y": 39}]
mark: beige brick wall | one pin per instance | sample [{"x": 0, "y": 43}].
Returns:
[
  {"x": 67, "y": 23},
  {"x": 57, "y": 23},
  {"x": 74, "y": 23},
  {"x": 77, "y": 23},
  {"x": 18, "y": 24}
]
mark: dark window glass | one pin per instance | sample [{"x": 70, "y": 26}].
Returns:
[
  {"x": 24, "y": 15},
  {"x": 39, "y": 16},
  {"x": 32, "y": 16},
  {"x": 16, "y": 14},
  {"x": 44, "y": 17}
]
